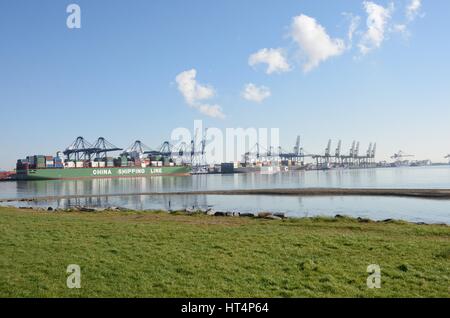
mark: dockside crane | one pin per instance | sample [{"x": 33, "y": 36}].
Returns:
[
  {"x": 356, "y": 153},
  {"x": 297, "y": 149},
  {"x": 80, "y": 149},
  {"x": 297, "y": 155},
  {"x": 138, "y": 147},
  {"x": 198, "y": 157},
  {"x": 400, "y": 155},
  {"x": 337, "y": 153},
  {"x": 104, "y": 146},
  {"x": 374, "y": 150},
  {"x": 366, "y": 159},
  {"x": 328, "y": 149}
]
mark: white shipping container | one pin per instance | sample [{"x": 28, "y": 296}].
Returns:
[
  {"x": 70, "y": 164},
  {"x": 160, "y": 163},
  {"x": 143, "y": 165},
  {"x": 154, "y": 163},
  {"x": 79, "y": 164},
  {"x": 94, "y": 164},
  {"x": 171, "y": 164},
  {"x": 101, "y": 164}
]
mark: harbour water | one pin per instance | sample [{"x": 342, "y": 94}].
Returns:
[{"x": 377, "y": 208}]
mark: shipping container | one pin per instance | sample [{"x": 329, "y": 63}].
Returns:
[
  {"x": 227, "y": 167},
  {"x": 79, "y": 164},
  {"x": 70, "y": 164},
  {"x": 94, "y": 164}
]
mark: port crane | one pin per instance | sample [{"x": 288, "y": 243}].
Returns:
[
  {"x": 255, "y": 153},
  {"x": 297, "y": 155},
  {"x": 103, "y": 146},
  {"x": 400, "y": 155},
  {"x": 80, "y": 149},
  {"x": 137, "y": 147}
]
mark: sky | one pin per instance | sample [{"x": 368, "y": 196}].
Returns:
[{"x": 372, "y": 71}]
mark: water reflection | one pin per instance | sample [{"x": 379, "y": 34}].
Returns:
[{"x": 417, "y": 177}]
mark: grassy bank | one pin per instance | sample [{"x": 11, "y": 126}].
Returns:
[{"x": 161, "y": 255}]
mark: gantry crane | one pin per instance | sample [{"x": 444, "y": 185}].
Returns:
[{"x": 400, "y": 155}]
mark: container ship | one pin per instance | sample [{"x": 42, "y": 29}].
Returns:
[{"x": 82, "y": 160}]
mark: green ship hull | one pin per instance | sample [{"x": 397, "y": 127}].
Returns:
[{"x": 86, "y": 173}]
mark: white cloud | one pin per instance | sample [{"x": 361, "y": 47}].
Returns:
[
  {"x": 377, "y": 19},
  {"x": 256, "y": 94},
  {"x": 412, "y": 10},
  {"x": 214, "y": 111},
  {"x": 314, "y": 41},
  {"x": 190, "y": 89},
  {"x": 194, "y": 93},
  {"x": 274, "y": 58}
]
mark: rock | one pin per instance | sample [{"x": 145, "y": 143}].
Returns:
[
  {"x": 280, "y": 215},
  {"x": 220, "y": 214},
  {"x": 49, "y": 208},
  {"x": 338, "y": 216},
  {"x": 236, "y": 214},
  {"x": 86, "y": 209},
  {"x": 264, "y": 215},
  {"x": 210, "y": 212},
  {"x": 273, "y": 217},
  {"x": 249, "y": 215},
  {"x": 363, "y": 220},
  {"x": 229, "y": 214}
]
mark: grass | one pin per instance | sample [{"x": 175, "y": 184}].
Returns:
[{"x": 141, "y": 254}]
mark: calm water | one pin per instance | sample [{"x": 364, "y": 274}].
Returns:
[{"x": 416, "y": 210}]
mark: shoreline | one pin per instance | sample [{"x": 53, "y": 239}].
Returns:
[
  {"x": 443, "y": 194},
  {"x": 266, "y": 215}
]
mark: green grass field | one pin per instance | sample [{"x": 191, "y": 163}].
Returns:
[{"x": 142, "y": 254}]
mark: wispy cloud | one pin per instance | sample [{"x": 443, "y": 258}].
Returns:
[
  {"x": 353, "y": 27},
  {"x": 413, "y": 9},
  {"x": 377, "y": 20},
  {"x": 274, "y": 58},
  {"x": 194, "y": 94},
  {"x": 255, "y": 94}
]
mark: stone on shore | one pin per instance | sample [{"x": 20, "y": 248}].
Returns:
[
  {"x": 264, "y": 215},
  {"x": 273, "y": 217}
]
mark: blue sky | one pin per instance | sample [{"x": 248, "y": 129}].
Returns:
[{"x": 116, "y": 76}]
